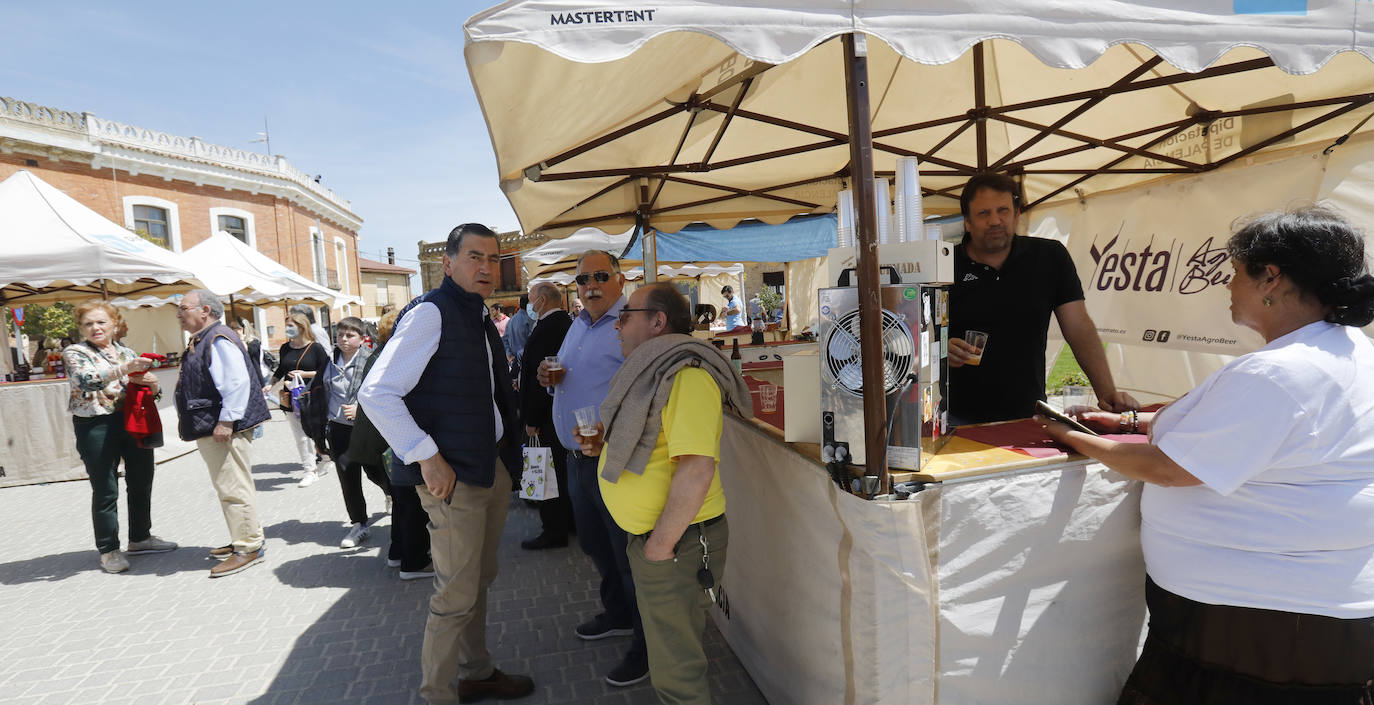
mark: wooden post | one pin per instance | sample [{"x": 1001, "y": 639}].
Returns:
[{"x": 866, "y": 261}]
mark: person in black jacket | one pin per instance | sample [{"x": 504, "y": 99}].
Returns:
[{"x": 536, "y": 411}]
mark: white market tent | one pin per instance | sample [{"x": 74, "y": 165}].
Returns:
[
  {"x": 713, "y": 112},
  {"x": 698, "y": 111},
  {"x": 233, "y": 268},
  {"x": 53, "y": 248}
]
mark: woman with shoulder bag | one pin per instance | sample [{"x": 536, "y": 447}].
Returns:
[
  {"x": 304, "y": 361},
  {"x": 100, "y": 371}
]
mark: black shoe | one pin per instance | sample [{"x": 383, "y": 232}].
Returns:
[
  {"x": 543, "y": 541},
  {"x": 628, "y": 672},
  {"x": 600, "y": 628},
  {"x": 498, "y": 685}
]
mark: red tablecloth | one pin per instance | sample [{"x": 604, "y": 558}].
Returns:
[{"x": 1028, "y": 437}]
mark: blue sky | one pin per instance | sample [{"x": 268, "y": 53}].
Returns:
[{"x": 372, "y": 96}]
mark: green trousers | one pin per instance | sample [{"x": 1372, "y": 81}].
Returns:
[
  {"x": 673, "y": 607},
  {"x": 102, "y": 443}
]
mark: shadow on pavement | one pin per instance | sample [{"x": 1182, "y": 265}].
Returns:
[{"x": 187, "y": 559}]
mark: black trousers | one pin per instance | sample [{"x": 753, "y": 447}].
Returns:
[
  {"x": 1200, "y": 654},
  {"x": 409, "y": 529},
  {"x": 351, "y": 473},
  {"x": 557, "y": 514}
]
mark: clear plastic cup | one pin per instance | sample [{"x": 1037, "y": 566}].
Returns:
[
  {"x": 768, "y": 398},
  {"x": 978, "y": 340}
]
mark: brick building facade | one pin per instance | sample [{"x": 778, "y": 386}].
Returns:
[{"x": 179, "y": 190}]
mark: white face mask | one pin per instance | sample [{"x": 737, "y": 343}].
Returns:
[{"x": 292, "y": 331}]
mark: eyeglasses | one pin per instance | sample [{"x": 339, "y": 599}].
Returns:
[
  {"x": 601, "y": 276},
  {"x": 184, "y": 307},
  {"x": 627, "y": 310}
]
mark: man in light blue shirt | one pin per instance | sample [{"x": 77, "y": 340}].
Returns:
[
  {"x": 518, "y": 331},
  {"x": 733, "y": 311},
  {"x": 590, "y": 357}
]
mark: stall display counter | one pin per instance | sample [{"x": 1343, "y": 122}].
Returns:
[
  {"x": 1007, "y": 578},
  {"x": 37, "y": 442}
]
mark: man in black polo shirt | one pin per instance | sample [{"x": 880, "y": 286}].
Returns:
[{"x": 1007, "y": 286}]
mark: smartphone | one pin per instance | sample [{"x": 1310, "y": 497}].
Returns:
[{"x": 1049, "y": 412}]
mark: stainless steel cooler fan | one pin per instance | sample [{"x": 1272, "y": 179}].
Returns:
[{"x": 912, "y": 337}]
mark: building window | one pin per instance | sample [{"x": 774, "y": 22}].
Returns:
[
  {"x": 235, "y": 221},
  {"x": 382, "y": 293},
  {"x": 341, "y": 263},
  {"x": 235, "y": 226},
  {"x": 151, "y": 222},
  {"x": 156, "y": 217},
  {"x": 317, "y": 250},
  {"x": 510, "y": 274}
]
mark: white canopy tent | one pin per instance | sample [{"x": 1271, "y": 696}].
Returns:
[
  {"x": 53, "y": 248},
  {"x": 56, "y": 249},
  {"x": 712, "y": 112}
]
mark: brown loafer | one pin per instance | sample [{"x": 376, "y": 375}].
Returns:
[
  {"x": 235, "y": 563},
  {"x": 222, "y": 552},
  {"x": 498, "y": 685}
]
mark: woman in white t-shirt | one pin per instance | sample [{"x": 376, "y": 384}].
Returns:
[{"x": 1258, "y": 510}]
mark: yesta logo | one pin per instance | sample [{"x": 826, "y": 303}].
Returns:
[{"x": 1155, "y": 266}]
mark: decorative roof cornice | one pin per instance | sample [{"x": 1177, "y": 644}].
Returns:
[{"x": 141, "y": 150}]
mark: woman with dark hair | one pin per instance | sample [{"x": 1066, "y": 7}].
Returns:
[
  {"x": 1257, "y": 519},
  {"x": 343, "y": 380},
  {"x": 100, "y": 370}
]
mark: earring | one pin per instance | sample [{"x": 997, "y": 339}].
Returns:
[{"x": 1267, "y": 301}]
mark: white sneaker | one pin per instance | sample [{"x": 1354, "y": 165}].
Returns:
[
  {"x": 309, "y": 479},
  {"x": 425, "y": 572},
  {"x": 357, "y": 534},
  {"x": 393, "y": 563},
  {"x": 114, "y": 561},
  {"x": 324, "y": 467},
  {"x": 152, "y": 544}
]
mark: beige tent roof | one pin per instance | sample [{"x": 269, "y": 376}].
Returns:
[{"x": 594, "y": 121}]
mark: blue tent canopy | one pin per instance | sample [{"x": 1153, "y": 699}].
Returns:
[{"x": 802, "y": 237}]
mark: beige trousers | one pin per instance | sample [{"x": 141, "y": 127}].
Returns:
[
  {"x": 231, "y": 472},
  {"x": 463, "y": 537}
]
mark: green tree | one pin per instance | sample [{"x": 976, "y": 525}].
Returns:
[{"x": 54, "y": 321}]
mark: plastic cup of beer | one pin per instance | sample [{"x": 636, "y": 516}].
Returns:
[
  {"x": 555, "y": 369},
  {"x": 978, "y": 340},
  {"x": 768, "y": 398},
  {"x": 586, "y": 422}
]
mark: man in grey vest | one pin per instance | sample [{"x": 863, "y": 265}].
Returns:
[{"x": 218, "y": 406}]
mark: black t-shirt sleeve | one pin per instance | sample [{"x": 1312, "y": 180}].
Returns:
[
  {"x": 318, "y": 359},
  {"x": 1067, "y": 287},
  {"x": 283, "y": 359}
]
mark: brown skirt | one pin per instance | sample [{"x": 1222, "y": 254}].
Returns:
[{"x": 1200, "y": 654}]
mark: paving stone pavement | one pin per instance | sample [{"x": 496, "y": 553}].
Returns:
[{"x": 312, "y": 624}]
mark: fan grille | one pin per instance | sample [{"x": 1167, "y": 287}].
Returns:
[{"x": 843, "y": 359}]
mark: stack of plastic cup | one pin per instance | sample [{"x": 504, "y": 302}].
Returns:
[
  {"x": 908, "y": 198},
  {"x": 882, "y": 203},
  {"x": 845, "y": 231}
]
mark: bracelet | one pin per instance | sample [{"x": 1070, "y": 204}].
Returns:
[
  {"x": 1125, "y": 419},
  {"x": 1135, "y": 421}
]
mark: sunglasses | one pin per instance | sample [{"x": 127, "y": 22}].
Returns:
[
  {"x": 625, "y": 312},
  {"x": 601, "y": 277}
]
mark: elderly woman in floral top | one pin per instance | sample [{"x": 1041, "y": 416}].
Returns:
[{"x": 100, "y": 370}]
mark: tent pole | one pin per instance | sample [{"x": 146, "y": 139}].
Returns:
[
  {"x": 104, "y": 294},
  {"x": 870, "y": 288},
  {"x": 648, "y": 240}
]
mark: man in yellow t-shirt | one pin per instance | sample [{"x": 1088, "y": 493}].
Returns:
[{"x": 674, "y": 512}]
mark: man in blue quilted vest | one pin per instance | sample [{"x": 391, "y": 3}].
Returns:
[
  {"x": 440, "y": 394},
  {"x": 218, "y": 406}
]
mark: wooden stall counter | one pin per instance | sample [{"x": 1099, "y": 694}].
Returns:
[{"x": 1007, "y": 579}]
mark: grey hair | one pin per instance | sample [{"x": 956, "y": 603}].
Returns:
[
  {"x": 615, "y": 261},
  {"x": 546, "y": 292},
  {"x": 303, "y": 309},
  {"x": 211, "y": 299}
]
